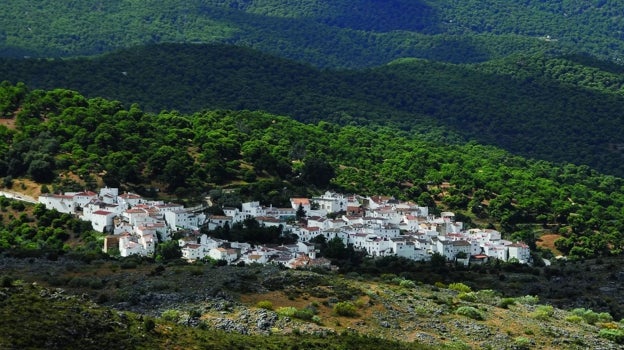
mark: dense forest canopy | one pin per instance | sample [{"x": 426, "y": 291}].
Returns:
[
  {"x": 344, "y": 33},
  {"x": 271, "y": 158},
  {"x": 556, "y": 108}
]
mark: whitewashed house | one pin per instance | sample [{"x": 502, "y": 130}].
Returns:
[
  {"x": 409, "y": 249},
  {"x": 252, "y": 209},
  {"x": 519, "y": 251},
  {"x": 183, "y": 219},
  {"x": 129, "y": 200},
  {"x": 162, "y": 208},
  {"x": 81, "y": 199},
  {"x": 307, "y": 233},
  {"x": 388, "y": 213},
  {"x": 307, "y": 248},
  {"x": 331, "y": 202},
  {"x": 58, "y": 202},
  {"x": 216, "y": 221},
  {"x": 497, "y": 251},
  {"x": 135, "y": 245},
  {"x": 226, "y": 254},
  {"x": 122, "y": 227},
  {"x": 303, "y": 202},
  {"x": 109, "y": 191},
  {"x": 192, "y": 252},
  {"x": 102, "y": 220},
  {"x": 137, "y": 216},
  {"x": 235, "y": 214},
  {"x": 269, "y": 221},
  {"x": 282, "y": 214}
]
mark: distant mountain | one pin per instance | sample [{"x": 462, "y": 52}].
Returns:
[
  {"x": 341, "y": 33},
  {"x": 563, "y": 108}
]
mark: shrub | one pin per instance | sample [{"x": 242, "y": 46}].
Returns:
[
  {"x": 162, "y": 285},
  {"x": 287, "y": 311},
  {"x": 592, "y": 317},
  {"x": 470, "y": 312},
  {"x": 316, "y": 319},
  {"x": 128, "y": 264},
  {"x": 7, "y": 281},
  {"x": 460, "y": 287},
  {"x": 522, "y": 343},
  {"x": 608, "y": 325},
  {"x": 304, "y": 314},
  {"x": 407, "y": 284},
  {"x": 439, "y": 285},
  {"x": 506, "y": 302},
  {"x": 614, "y": 335},
  {"x": 469, "y": 297},
  {"x": 543, "y": 312},
  {"x": 388, "y": 277},
  {"x": 528, "y": 300},
  {"x": 359, "y": 303},
  {"x": 605, "y": 317},
  {"x": 345, "y": 308},
  {"x": 171, "y": 315},
  {"x": 574, "y": 319},
  {"x": 96, "y": 283},
  {"x": 265, "y": 304},
  {"x": 487, "y": 296},
  {"x": 196, "y": 271},
  {"x": 149, "y": 324}
]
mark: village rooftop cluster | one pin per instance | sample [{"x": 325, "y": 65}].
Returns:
[{"x": 379, "y": 226}]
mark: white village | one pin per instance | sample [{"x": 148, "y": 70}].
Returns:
[{"x": 378, "y": 226}]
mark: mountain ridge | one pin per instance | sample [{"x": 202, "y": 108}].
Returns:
[{"x": 338, "y": 34}]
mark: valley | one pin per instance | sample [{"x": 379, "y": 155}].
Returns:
[{"x": 504, "y": 117}]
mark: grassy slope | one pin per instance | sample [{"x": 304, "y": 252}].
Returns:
[
  {"x": 36, "y": 318},
  {"x": 421, "y": 314}
]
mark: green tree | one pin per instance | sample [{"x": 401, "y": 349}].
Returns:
[
  {"x": 336, "y": 249},
  {"x": 169, "y": 250},
  {"x": 317, "y": 172},
  {"x": 301, "y": 214}
]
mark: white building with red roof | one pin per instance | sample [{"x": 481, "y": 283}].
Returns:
[
  {"x": 303, "y": 202},
  {"x": 81, "y": 199},
  {"x": 102, "y": 220},
  {"x": 129, "y": 200},
  {"x": 59, "y": 202},
  {"x": 221, "y": 253},
  {"x": 519, "y": 251}
]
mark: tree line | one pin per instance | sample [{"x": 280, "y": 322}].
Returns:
[
  {"x": 544, "y": 106},
  {"x": 347, "y": 34}
]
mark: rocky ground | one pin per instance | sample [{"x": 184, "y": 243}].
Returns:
[{"x": 227, "y": 298}]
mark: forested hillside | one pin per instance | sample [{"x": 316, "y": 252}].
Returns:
[
  {"x": 343, "y": 33},
  {"x": 272, "y": 158},
  {"x": 506, "y": 113},
  {"x": 556, "y": 108}
]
